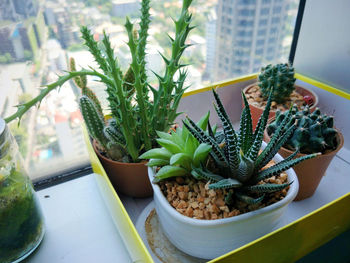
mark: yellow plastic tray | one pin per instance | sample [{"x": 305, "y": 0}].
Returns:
[{"x": 286, "y": 244}]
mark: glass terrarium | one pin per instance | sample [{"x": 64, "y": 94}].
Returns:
[{"x": 21, "y": 220}]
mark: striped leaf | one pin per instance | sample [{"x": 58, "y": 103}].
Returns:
[
  {"x": 246, "y": 128},
  {"x": 259, "y": 131},
  {"x": 272, "y": 148},
  {"x": 202, "y": 137},
  {"x": 206, "y": 174},
  {"x": 283, "y": 166},
  {"x": 249, "y": 200},
  {"x": 226, "y": 183},
  {"x": 230, "y": 134},
  {"x": 280, "y": 135},
  {"x": 267, "y": 188}
]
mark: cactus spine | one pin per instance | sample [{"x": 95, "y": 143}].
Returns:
[
  {"x": 314, "y": 131},
  {"x": 281, "y": 78},
  {"x": 137, "y": 122}
]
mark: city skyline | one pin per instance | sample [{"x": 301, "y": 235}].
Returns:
[{"x": 38, "y": 40}]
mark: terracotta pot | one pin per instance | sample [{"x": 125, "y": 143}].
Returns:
[
  {"x": 256, "y": 111},
  {"x": 310, "y": 172},
  {"x": 130, "y": 179}
]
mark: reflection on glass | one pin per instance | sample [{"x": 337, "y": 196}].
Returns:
[{"x": 232, "y": 38}]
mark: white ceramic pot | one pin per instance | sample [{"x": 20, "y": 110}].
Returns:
[{"x": 209, "y": 239}]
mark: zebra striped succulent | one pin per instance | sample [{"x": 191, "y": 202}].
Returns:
[{"x": 238, "y": 160}]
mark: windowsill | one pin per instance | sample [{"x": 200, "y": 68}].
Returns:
[{"x": 79, "y": 227}]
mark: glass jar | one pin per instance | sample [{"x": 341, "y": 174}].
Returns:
[{"x": 21, "y": 220}]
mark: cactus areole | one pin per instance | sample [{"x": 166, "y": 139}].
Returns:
[
  {"x": 314, "y": 131},
  {"x": 281, "y": 78}
]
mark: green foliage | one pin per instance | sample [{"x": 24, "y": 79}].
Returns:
[
  {"x": 180, "y": 152},
  {"x": 28, "y": 55},
  {"x": 138, "y": 112},
  {"x": 314, "y": 131},
  {"x": 238, "y": 161},
  {"x": 281, "y": 78},
  {"x": 3, "y": 60}
]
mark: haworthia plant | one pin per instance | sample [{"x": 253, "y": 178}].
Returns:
[
  {"x": 155, "y": 108},
  {"x": 239, "y": 159}
]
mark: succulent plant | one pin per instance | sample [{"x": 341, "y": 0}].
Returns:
[
  {"x": 281, "y": 78},
  {"x": 137, "y": 108},
  {"x": 314, "y": 131},
  {"x": 238, "y": 160},
  {"x": 179, "y": 154}
]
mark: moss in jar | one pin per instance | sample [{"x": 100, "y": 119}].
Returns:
[{"x": 21, "y": 225}]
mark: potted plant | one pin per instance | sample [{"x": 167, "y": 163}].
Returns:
[
  {"x": 286, "y": 93},
  {"x": 137, "y": 108},
  {"x": 314, "y": 133},
  {"x": 210, "y": 204}
]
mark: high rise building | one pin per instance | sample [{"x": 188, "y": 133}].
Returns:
[
  {"x": 210, "y": 35},
  {"x": 15, "y": 10},
  {"x": 250, "y": 34}
]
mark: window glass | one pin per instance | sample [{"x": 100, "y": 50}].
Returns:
[{"x": 38, "y": 38}]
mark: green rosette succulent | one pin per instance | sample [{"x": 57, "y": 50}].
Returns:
[{"x": 179, "y": 154}]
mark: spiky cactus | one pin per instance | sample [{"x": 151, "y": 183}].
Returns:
[
  {"x": 81, "y": 82},
  {"x": 314, "y": 131},
  {"x": 281, "y": 78},
  {"x": 238, "y": 160},
  {"x": 179, "y": 154},
  {"x": 137, "y": 122},
  {"x": 107, "y": 136}
]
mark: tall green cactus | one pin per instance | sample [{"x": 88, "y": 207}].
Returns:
[
  {"x": 314, "y": 131},
  {"x": 281, "y": 78},
  {"x": 137, "y": 123}
]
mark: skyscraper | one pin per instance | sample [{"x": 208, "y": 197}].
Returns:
[{"x": 249, "y": 34}]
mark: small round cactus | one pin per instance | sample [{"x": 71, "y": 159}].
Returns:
[
  {"x": 279, "y": 76},
  {"x": 314, "y": 131}
]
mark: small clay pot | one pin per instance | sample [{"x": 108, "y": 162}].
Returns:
[
  {"x": 310, "y": 172},
  {"x": 130, "y": 179},
  {"x": 256, "y": 111}
]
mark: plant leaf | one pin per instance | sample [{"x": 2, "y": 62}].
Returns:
[
  {"x": 208, "y": 175},
  {"x": 201, "y": 153},
  {"x": 182, "y": 159},
  {"x": 157, "y": 153},
  {"x": 169, "y": 171},
  {"x": 164, "y": 135},
  {"x": 226, "y": 183},
  {"x": 230, "y": 134},
  {"x": 249, "y": 200},
  {"x": 169, "y": 145},
  {"x": 267, "y": 188},
  {"x": 157, "y": 162},
  {"x": 282, "y": 166}
]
